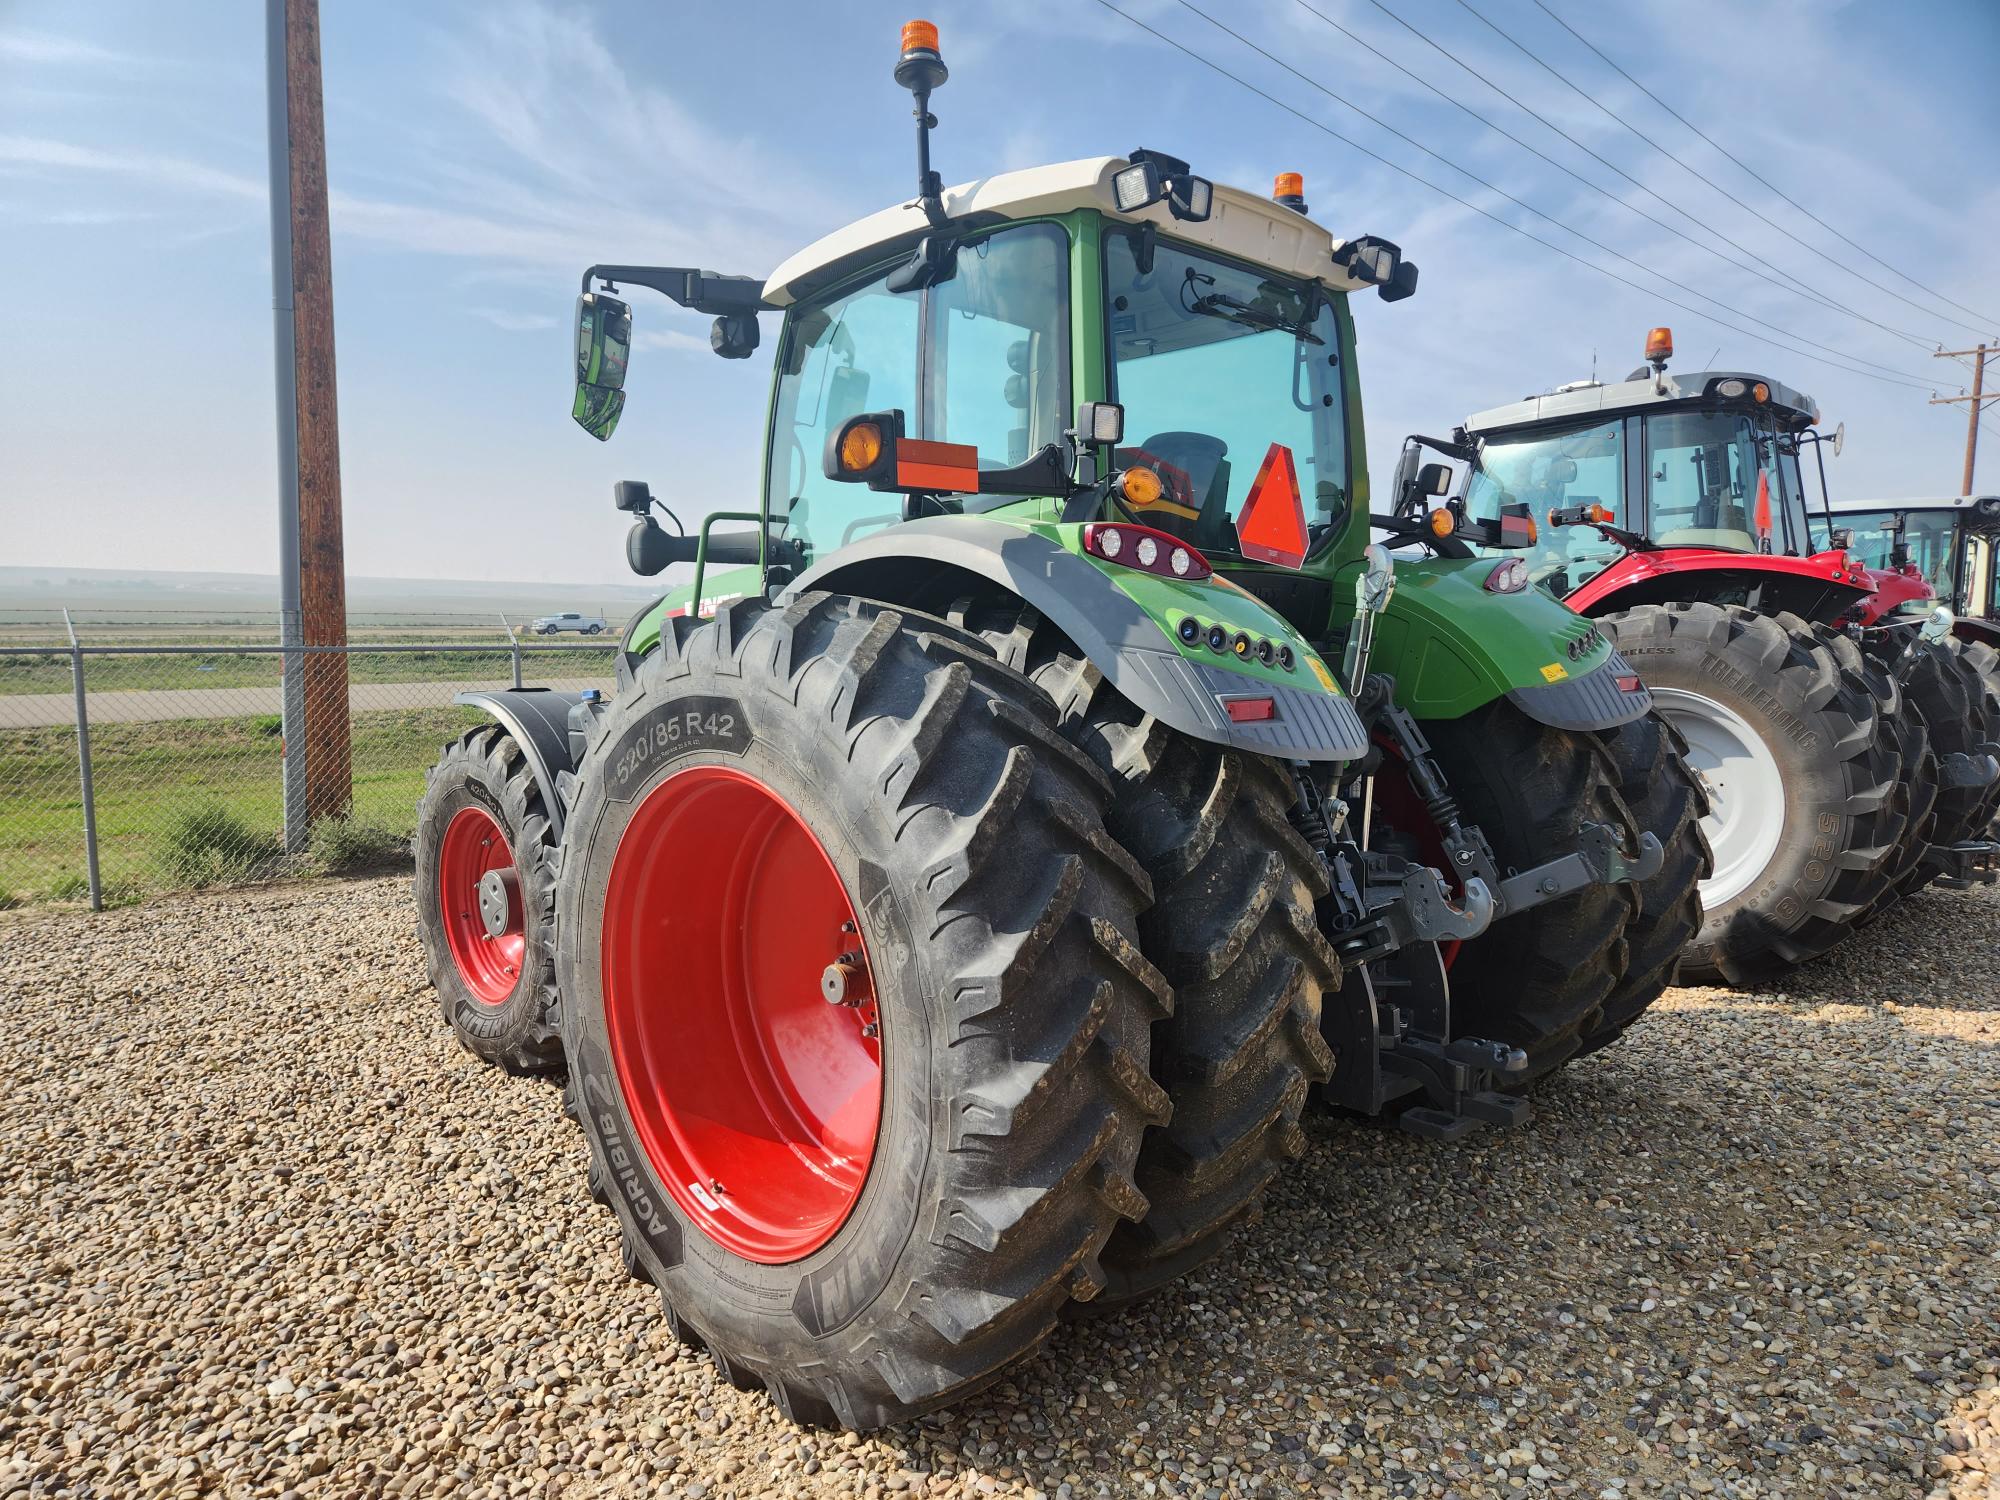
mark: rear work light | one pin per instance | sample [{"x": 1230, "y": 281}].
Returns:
[
  {"x": 1146, "y": 549},
  {"x": 1510, "y": 576}
]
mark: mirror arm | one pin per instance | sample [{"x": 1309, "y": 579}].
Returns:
[{"x": 699, "y": 291}]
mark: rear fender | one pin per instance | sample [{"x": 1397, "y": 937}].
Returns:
[
  {"x": 1123, "y": 619},
  {"x": 1974, "y": 629},
  {"x": 1820, "y": 588},
  {"x": 1453, "y": 647},
  {"x": 538, "y": 718}
]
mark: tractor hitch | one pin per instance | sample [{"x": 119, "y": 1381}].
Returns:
[
  {"x": 1390, "y": 1030},
  {"x": 1967, "y": 863}
]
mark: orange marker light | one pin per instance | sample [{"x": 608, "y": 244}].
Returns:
[
  {"x": 1272, "y": 527},
  {"x": 1760, "y": 391},
  {"x": 1289, "y": 185},
  {"x": 860, "y": 447},
  {"x": 920, "y": 35},
  {"x": 1140, "y": 486},
  {"x": 1442, "y": 522},
  {"x": 1764, "y": 503},
  {"x": 1660, "y": 344}
]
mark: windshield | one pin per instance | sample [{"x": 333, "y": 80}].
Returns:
[
  {"x": 1702, "y": 475},
  {"x": 1549, "y": 469},
  {"x": 981, "y": 358},
  {"x": 1214, "y": 363},
  {"x": 1930, "y": 537}
]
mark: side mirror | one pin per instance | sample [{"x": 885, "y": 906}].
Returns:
[
  {"x": 734, "y": 336},
  {"x": 1372, "y": 260},
  {"x": 1434, "y": 479},
  {"x": 1562, "y": 470},
  {"x": 603, "y": 347},
  {"x": 1402, "y": 283},
  {"x": 1839, "y": 439}
]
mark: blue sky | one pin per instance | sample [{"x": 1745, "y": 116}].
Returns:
[{"x": 481, "y": 154}]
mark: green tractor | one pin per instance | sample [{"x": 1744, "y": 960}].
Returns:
[{"x": 981, "y": 864}]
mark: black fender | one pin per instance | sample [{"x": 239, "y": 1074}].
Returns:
[
  {"x": 924, "y": 563},
  {"x": 538, "y": 718},
  {"x": 1596, "y": 700}
]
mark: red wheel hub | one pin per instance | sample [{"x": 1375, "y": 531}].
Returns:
[
  {"x": 741, "y": 1014},
  {"x": 479, "y": 897}
]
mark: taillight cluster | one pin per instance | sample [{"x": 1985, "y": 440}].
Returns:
[{"x": 1146, "y": 549}]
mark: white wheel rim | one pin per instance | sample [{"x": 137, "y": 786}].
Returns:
[{"x": 1746, "y": 791}]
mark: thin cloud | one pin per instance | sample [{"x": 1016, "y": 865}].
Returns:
[
  {"x": 41, "y": 49},
  {"x": 515, "y": 322}
]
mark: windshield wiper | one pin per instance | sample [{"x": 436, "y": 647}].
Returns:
[{"x": 1236, "y": 310}]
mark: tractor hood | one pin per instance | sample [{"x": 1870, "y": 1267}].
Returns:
[{"x": 1458, "y": 646}]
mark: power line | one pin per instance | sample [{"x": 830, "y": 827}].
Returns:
[
  {"x": 1538, "y": 213},
  {"x": 1484, "y": 213},
  {"x": 1790, "y": 282},
  {"x": 1692, "y": 171},
  {"x": 1783, "y": 285}
]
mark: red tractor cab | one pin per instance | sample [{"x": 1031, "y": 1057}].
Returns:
[{"x": 1673, "y": 509}]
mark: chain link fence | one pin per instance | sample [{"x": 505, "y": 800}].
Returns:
[{"x": 134, "y": 769}]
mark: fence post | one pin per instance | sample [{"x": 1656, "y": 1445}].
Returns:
[
  {"x": 83, "y": 766},
  {"x": 513, "y": 645}
]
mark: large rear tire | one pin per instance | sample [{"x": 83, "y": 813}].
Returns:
[
  {"x": 1666, "y": 800},
  {"x": 1539, "y": 979},
  {"x": 1800, "y": 776},
  {"x": 1232, "y": 928},
  {"x": 1963, "y": 718},
  {"x": 1984, "y": 660},
  {"x": 869, "y": 1207},
  {"x": 485, "y": 887}
]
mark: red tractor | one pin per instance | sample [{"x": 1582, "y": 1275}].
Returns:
[{"x": 1830, "y": 725}]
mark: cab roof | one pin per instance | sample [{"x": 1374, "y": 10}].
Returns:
[
  {"x": 1240, "y": 224},
  {"x": 1642, "y": 390}
]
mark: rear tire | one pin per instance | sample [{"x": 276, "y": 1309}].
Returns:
[
  {"x": 1232, "y": 928},
  {"x": 1959, "y": 709},
  {"x": 997, "y": 947},
  {"x": 1538, "y": 980},
  {"x": 1984, "y": 660},
  {"x": 1667, "y": 801},
  {"x": 1800, "y": 776},
  {"x": 482, "y": 809}
]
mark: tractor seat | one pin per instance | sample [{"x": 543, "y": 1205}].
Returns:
[{"x": 1195, "y": 467}]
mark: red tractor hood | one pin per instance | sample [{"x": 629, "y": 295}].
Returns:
[{"x": 1821, "y": 587}]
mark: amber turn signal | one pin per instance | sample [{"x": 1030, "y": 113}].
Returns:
[
  {"x": 1442, "y": 522},
  {"x": 860, "y": 447},
  {"x": 1140, "y": 486}
]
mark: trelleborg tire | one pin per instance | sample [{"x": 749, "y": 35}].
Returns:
[
  {"x": 1800, "y": 777},
  {"x": 857, "y": 1021},
  {"x": 1877, "y": 661},
  {"x": 1953, "y": 696},
  {"x": 1233, "y": 930},
  {"x": 482, "y": 816},
  {"x": 1667, "y": 801},
  {"x": 1539, "y": 979}
]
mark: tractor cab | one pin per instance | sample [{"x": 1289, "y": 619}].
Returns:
[
  {"x": 1658, "y": 474},
  {"x": 1945, "y": 546}
]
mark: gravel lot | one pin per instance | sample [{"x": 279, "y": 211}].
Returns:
[{"x": 266, "y": 1231}]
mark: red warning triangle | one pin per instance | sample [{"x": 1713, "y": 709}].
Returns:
[{"x": 1272, "y": 527}]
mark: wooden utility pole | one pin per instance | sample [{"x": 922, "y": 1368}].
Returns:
[
  {"x": 1977, "y": 400},
  {"x": 319, "y": 783}
]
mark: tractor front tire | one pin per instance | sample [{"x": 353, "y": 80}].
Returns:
[
  {"x": 1800, "y": 775},
  {"x": 485, "y": 848},
  {"x": 1232, "y": 927},
  {"x": 856, "y": 1016}
]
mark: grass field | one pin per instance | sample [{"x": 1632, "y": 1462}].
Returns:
[
  {"x": 189, "y": 803},
  {"x": 103, "y": 674}
]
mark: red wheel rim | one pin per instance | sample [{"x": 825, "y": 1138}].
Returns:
[
  {"x": 488, "y": 962},
  {"x": 756, "y": 1100}
]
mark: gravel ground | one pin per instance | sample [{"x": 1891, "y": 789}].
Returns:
[{"x": 268, "y": 1231}]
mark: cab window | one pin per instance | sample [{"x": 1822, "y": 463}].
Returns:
[
  {"x": 1214, "y": 363},
  {"x": 981, "y": 358},
  {"x": 1581, "y": 465}
]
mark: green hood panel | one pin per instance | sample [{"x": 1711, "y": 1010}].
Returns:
[{"x": 1453, "y": 646}]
